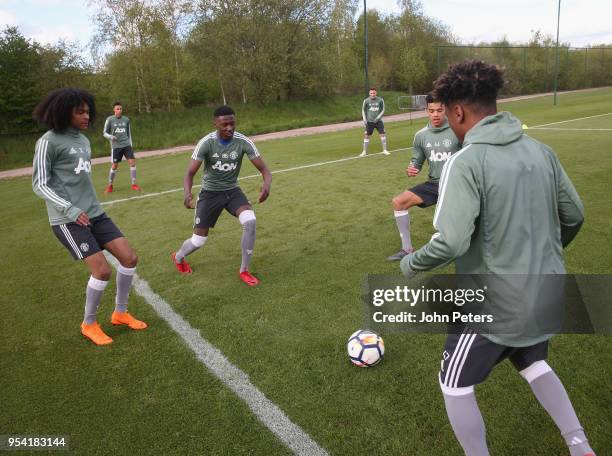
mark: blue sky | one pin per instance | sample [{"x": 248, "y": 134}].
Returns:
[{"x": 582, "y": 21}]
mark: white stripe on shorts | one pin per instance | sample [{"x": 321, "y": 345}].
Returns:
[
  {"x": 463, "y": 358},
  {"x": 456, "y": 354},
  {"x": 71, "y": 240}
]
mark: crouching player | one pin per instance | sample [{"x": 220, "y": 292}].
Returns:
[
  {"x": 221, "y": 152},
  {"x": 62, "y": 177}
]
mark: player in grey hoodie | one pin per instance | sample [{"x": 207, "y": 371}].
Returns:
[{"x": 506, "y": 207}]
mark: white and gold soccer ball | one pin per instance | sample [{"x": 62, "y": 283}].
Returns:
[{"x": 365, "y": 348}]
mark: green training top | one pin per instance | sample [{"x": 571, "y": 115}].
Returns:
[
  {"x": 121, "y": 129},
  {"x": 222, "y": 162},
  {"x": 506, "y": 207},
  {"x": 62, "y": 176},
  {"x": 373, "y": 109},
  {"x": 436, "y": 145}
]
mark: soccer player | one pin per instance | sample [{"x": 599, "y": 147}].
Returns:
[
  {"x": 221, "y": 152},
  {"x": 436, "y": 143},
  {"x": 62, "y": 177},
  {"x": 118, "y": 130},
  {"x": 506, "y": 207},
  {"x": 372, "y": 111}
]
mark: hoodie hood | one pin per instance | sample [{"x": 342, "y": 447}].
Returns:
[
  {"x": 501, "y": 128},
  {"x": 442, "y": 127}
]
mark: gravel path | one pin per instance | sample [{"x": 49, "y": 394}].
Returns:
[{"x": 281, "y": 134}]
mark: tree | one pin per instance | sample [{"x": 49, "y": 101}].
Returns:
[
  {"x": 127, "y": 25},
  {"x": 175, "y": 15},
  {"x": 19, "y": 88}
]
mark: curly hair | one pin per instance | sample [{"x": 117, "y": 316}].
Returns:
[
  {"x": 471, "y": 81},
  {"x": 55, "y": 111}
]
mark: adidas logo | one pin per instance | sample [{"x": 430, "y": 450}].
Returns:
[
  {"x": 575, "y": 441},
  {"x": 215, "y": 155}
]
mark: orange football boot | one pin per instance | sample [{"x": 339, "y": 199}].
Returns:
[
  {"x": 125, "y": 318},
  {"x": 94, "y": 333}
]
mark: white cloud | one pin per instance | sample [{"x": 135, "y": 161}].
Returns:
[
  {"x": 7, "y": 18},
  {"x": 51, "y": 34}
]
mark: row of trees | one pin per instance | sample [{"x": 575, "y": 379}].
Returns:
[
  {"x": 171, "y": 54},
  {"x": 530, "y": 68},
  {"x": 174, "y": 52}
]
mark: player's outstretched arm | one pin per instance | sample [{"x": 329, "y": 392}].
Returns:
[
  {"x": 192, "y": 169},
  {"x": 454, "y": 220},
  {"x": 267, "y": 178}
]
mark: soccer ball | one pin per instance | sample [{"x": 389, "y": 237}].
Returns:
[{"x": 365, "y": 348}]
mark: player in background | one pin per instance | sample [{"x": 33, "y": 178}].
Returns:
[
  {"x": 118, "y": 130},
  {"x": 372, "y": 112},
  {"x": 435, "y": 143},
  {"x": 506, "y": 208},
  {"x": 62, "y": 177},
  {"x": 221, "y": 152}
]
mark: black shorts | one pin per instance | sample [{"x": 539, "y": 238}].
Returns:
[
  {"x": 84, "y": 241},
  {"x": 427, "y": 191},
  {"x": 210, "y": 205},
  {"x": 468, "y": 358},
  {"x": 121, "y": 152},
  {"x": 370, "y": 126}
]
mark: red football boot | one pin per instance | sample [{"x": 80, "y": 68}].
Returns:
[
  {"x": 249, "y": 279},
  {"x": 182, "y": 267}
]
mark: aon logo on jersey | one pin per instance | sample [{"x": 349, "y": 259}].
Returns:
[
  {"x": 439, "y": 156},
  {"x": 119, "y": 130},
  {"x": 84, "y": 165},
  {"x": 224, "y": 166}
]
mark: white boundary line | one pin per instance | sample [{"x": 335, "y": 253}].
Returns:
[
  {"x": 231, "y": 376},
  {"x": 571, "y": 120},
  {"x": 571, "y": 129},
  {"x": 314, "y": 165},
  {"x": 251, "y": 176}
]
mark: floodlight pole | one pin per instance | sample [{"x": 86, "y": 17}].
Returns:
[
  {"x": 365, "y": 46},
  {"x": 556, "y": 57}
]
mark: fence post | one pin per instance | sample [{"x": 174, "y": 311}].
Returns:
[
  {"x": 524, "y": 69},
  {"x": 546, "y": 70}
]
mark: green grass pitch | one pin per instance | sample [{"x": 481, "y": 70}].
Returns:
[{"x": 322, "y": 230}]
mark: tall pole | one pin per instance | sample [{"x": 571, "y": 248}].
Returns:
[
  {"x": 365, "y": 45},
  {"x": 556, "y": 56}
]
